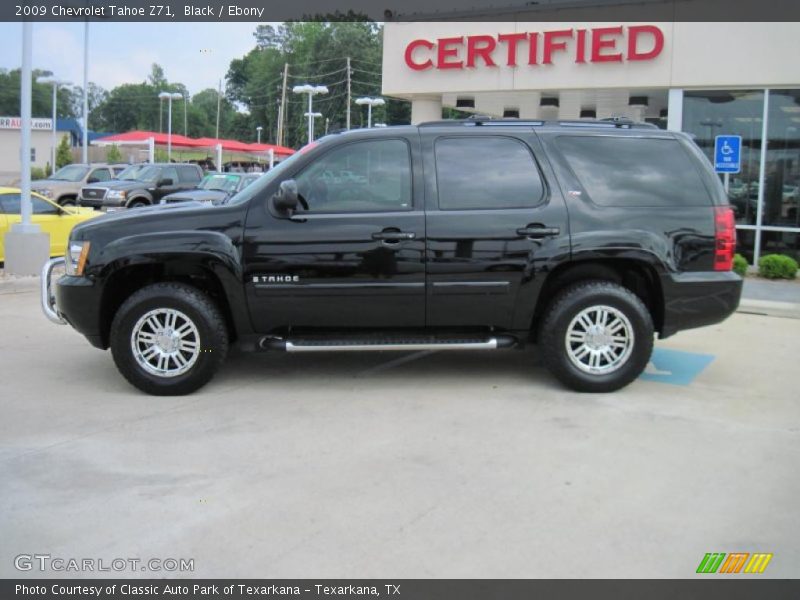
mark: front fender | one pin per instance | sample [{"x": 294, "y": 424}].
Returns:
[{"x": 180, "y": 252}]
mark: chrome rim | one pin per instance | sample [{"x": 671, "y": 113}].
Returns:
[
  {"x": 165, "y": 342},
  {"x": 599, "y": 340}
]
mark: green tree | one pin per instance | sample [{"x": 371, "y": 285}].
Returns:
[
  {"x": 114, "y": 155},
  {"x": 63, "y": 152}
]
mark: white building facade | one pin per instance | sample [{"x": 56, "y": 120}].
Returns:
[{"x": 707, "y": 79}]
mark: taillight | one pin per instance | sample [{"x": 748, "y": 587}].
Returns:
[{"x": 725, "y": 238}]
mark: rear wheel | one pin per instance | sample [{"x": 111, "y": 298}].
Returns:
[
  {"x": 597, "y": 336},
  {"x": 168, "y": 339}
]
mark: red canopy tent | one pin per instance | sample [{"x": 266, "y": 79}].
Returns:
[
  {"x": 160, "y": 139},
  {"x": 180, "y": 141}
]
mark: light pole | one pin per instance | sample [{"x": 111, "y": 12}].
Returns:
[
  {"x": 311, "y": 90},
  {"x": 56, "y": 83},
  {"x": 85, "y": 146},
  {"x": 370, "y": 102},
  {"x": 312, "y": 119},
  {"x": 170, "y": 96},
  {"x": 259, "y": 129}
]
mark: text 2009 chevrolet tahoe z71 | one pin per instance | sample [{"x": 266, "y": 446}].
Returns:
[{"x": 586, "y": 238}]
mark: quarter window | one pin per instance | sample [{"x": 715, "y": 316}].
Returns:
[
  {"x": 486, "y": 172},
  {"x": 628, "y": 171},
  {"x": 371, "y": 176}
]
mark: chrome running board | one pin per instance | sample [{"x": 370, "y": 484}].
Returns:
[{"x": 365, "y": 345}]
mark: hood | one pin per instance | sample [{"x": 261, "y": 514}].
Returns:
[
  {"x": 160, "y": 218},
  {"x": 197, "y": 195},
  {"x": 48, "y": 183},
  {"x": 116, "y": 184}
]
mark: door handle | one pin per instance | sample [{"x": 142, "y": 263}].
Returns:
[
  {"x": 537, "y": 232},
  {"x": 393, "y": 236}
]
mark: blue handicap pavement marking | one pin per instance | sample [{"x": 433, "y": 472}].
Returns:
[{"x": 675, "y": 367}]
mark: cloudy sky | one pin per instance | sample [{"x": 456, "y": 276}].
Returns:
[{"x": 196, "y": 54}]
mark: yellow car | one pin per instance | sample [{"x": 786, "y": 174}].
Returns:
[{"x": 56, "y": 220}]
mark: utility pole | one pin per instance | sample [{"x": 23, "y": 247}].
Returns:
[
  {"x": 282, "y": 109},
  {"x": 85, "y": 153},
  {"x": 160, "y": 115},
  {"x": 219, "y": 103},
  {"x": 348, "y": 93},
  {"x": 185, "y": 118}
]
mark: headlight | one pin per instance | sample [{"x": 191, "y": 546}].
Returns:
[
  {"x": 76, "y": 257},
  {"x": 46, "y": 193},
  {"x": 116, "y": 195}
]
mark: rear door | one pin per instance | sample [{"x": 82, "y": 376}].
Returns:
[{"x": 495, "y": 226}]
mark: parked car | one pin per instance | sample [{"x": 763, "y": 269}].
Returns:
[
  {"x": 64, "y": 185},
  {"x": 56, "y": 220},
  {"x": 215, "y": 188},
  {"x": 142, "y": 187},
  {"x": 586, "y": 238}
]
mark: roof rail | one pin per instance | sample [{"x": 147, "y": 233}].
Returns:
[{"x": 484, "y": 121}]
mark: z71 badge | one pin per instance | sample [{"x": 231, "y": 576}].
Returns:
[{"x": 276, "y": 279}]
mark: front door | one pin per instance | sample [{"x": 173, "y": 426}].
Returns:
[{"x": 353, "y": 258}]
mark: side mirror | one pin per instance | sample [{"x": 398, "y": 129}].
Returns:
[
  {"x": 286, "y": 199},
  {"x": 165, "y": 182}
]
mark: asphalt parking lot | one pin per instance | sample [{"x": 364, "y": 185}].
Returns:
[{"x": 458, "y": 465}]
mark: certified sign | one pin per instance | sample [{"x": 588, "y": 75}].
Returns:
[{"x": 728, "y": 154}]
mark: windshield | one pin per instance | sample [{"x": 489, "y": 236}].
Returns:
[
  {"x": 222, "y": 183},
  {"x": 149, "y": 174},
  {"x": 129, "y": 173},
  {"x": 70, "y": 173},
  {"x": 265, "y": 179}
]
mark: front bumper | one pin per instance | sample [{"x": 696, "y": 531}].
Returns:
[
  {"x": 47, "y": 298},
  {"x": 73, "y": 301},
  {"x": 698, "y": 299}
]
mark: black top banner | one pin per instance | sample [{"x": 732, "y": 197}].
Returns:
[
  {"x": 405, "y": 589},
  {"x": 400, "y": 10}
]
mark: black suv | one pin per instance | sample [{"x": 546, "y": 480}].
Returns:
[
  {"x": 151, "y": 183},
  {"x": 585, "y": 238}
]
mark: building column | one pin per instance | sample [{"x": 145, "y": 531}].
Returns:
[
  {"x": 675, "y": 110},
  {"x": 426, "y": 108}
]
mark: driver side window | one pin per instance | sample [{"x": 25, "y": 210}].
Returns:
[{"x": 369, "y": 176}]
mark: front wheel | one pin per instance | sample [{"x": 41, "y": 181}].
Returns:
[
  {"x": 168, "y": 339},
  {"x": 138, "y": 204},
  {"x": 597, "y": 336}
]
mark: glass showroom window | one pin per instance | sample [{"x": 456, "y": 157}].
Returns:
[
  {"x": 707, "y": 114},
  {"x": 782, "y": 175}
]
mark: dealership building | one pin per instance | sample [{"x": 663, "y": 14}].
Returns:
[{"x": 706, "y": 79}]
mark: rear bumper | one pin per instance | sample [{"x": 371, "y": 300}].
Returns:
[{"x": 698, "y": 299}]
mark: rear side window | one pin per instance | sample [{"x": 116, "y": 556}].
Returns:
[
  {"x": 486, "y": 172},
  {"x": 627, "y": 171}
]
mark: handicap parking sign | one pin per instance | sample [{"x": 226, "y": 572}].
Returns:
[{"x": 728, "y": 153}]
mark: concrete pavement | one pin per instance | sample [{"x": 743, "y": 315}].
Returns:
[{"x": 359, "y": 465}]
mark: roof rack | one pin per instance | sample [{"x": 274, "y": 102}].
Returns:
[{"x": 486, "y": 121}]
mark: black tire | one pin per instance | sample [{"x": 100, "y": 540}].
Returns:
[
  {"x": 566, "y": 307},
  {"x": 138, "y": 203},
  {"x": 68, "y": 202},
  {"x": 199, "y": 309}
]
